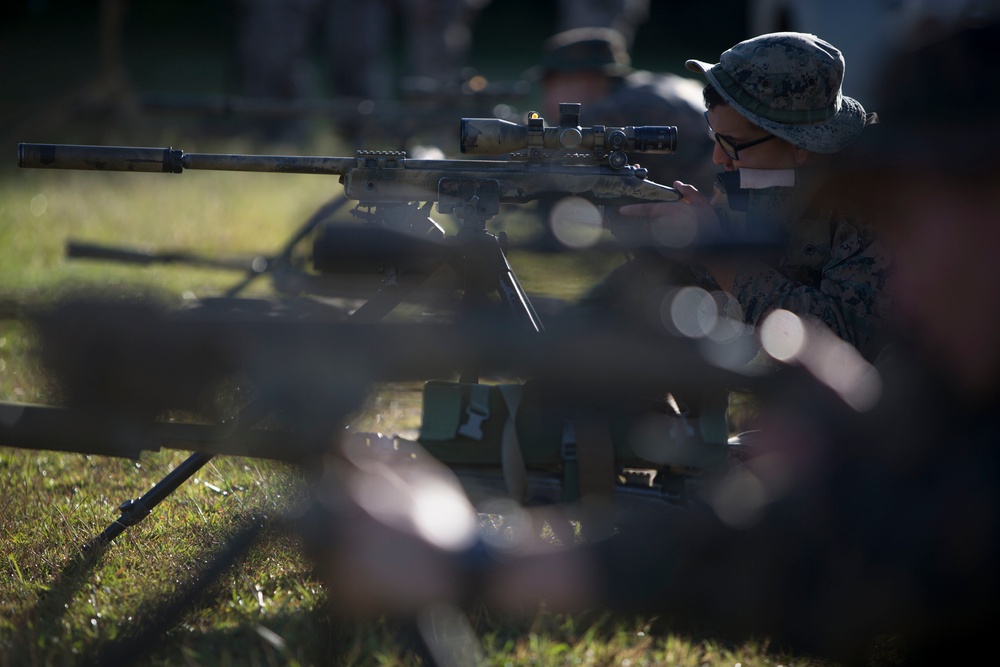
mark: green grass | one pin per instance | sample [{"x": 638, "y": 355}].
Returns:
[{"x": 59, "y": 608}]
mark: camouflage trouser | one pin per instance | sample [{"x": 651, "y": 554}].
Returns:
[
  {"x": 437, "y": 36},
  {"x": 275, "y": 39},
  {"x": 273, "y": 44}
]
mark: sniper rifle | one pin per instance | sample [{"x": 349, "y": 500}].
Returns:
[
  {"x": 394, "y": 193},
  {"x": 591, "y": 162}
]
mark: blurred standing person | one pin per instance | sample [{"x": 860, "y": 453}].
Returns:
[
  {"x": 433, "y": 60},
  {"x": 623, "y": 16},
  {"x": 275, "y": 41},
  {"x": 358, "y": 48},
  {"x": 437, "y": 38}
]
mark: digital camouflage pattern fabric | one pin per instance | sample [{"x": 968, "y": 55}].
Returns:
[
  {"x": 789, "y": 84},
  {"x": 832, "y": 268}
]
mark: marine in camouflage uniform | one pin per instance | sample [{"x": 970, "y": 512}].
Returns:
[{"x": 830, "y": 266}]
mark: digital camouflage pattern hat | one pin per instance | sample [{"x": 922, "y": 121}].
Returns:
[
  {"x": 789, "y": 83},
  {"x": 581, "y": 49}
]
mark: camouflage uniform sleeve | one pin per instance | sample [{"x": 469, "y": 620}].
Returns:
[{"x": 847, "y": 293}]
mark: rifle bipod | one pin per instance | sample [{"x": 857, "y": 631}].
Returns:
[{"x": 135, "y": 510}]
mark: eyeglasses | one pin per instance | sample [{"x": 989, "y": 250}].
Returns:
[{"x": 728, "y": 146}]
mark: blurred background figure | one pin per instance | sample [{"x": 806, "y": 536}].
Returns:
[
  {"x": 273, "y": 48},
  {"x": 592, "y": 66},
  {"x": 437, "y": 38},
  {"x": 624, "y": 16},
  {"x": 276, "y": 42}
]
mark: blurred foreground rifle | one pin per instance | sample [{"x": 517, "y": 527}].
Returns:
[{"x": 137, "y": 376}]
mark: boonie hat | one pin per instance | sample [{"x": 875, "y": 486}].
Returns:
[
  {"x": 789, "y": 84},
  {"x": 580, "y": 49}
]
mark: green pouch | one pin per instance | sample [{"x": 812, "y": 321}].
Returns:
[
  {"x": 643, "y": 437},
  {"x": 462, "y": 423},
  {"x": 465, "y": 424}
]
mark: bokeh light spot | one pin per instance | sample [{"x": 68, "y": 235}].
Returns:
[
  {"x": 576, "y": 223},
  {"x": 477, "y": 83},
  {"x": 39, "y": 204},
  {"x": 692, "y": 311},
  {"x": 503, "y": 111},
  {"x": 442, "y": 517},
  {"x": 680, "y": 233},
  {"x": 782, "y": 335}
]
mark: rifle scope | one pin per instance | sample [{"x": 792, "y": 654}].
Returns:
[{"x": 492, "y": 136}]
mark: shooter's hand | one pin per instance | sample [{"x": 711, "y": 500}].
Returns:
[{"x": 677, "y": 224}]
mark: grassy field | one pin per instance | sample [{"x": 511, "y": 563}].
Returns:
[{"x": 60, "y": 608}]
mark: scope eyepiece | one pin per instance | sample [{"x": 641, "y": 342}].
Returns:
[{"x": 655, "y": 139}]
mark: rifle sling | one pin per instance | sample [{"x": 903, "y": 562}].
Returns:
[
  {"x": 595, "y": 453},
  {"x": 515, "y": 473}
]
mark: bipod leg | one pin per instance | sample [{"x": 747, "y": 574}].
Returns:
[
  {"x": 487, "y": 276},
  {"x": 486, "y": 272},
  {"x": 135, "y": 510}
]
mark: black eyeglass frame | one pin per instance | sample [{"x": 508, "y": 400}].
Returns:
[{"x": 728, "y": 146}]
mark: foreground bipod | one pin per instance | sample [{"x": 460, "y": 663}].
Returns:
[{"x": 135, "y": 510}]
